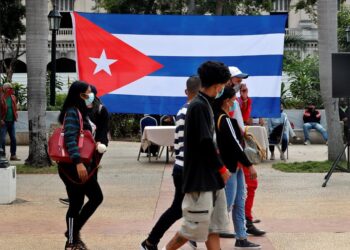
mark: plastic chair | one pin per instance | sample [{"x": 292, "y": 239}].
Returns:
[
  {"x": 279, "y": 143},
  {"x": 144, "y": 122}
]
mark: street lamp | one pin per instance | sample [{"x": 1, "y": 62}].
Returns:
[
  {"x": 54, "y": 25},
  {"x": 347, "y": 32}
]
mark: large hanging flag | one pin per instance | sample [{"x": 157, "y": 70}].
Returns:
[{"x": 140, "y": 63}]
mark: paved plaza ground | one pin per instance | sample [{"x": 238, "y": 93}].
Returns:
[{"x": 295, "y": 210}]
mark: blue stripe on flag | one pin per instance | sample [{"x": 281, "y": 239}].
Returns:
[
  {"x": 270, "y": 65},
  {"x": 267, "y": 106},
  {"x": 188, "y": 25},
  {"x": 143, "y": 104}
]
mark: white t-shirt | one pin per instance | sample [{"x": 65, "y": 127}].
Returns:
[{"x": 237, "y": 114}]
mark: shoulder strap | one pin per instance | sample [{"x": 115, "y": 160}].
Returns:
[
  {"x": 100, "y": 108},
  {"x": 219, "y": 121}
]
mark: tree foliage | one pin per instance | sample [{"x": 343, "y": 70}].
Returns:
[
  {"x": 343, "y": 23},
  {"x": 11, "y": 28},
  {"x": 181, "y": 7},
  {"x": 11, "y": 14},
  {"x": 304, "y": 79},
  {"x": 309, "y": 6}
]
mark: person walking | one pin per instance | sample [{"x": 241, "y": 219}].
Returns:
[
  {"x": 99, "y": 116},
  {"x": 174, "y": 212},
  {"x": 8, "y": 118},
  {"x": 235, "y": 82},
  {"x": 76, "y": 175},
  {"x": 229, "y": 138},
  {"x": 204, "y": 206}
]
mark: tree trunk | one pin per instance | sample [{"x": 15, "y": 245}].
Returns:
[
  {"x": 36, "y": 44},
  {"x": 327, "y": 33},
  {"x": 219, "y": 7}
]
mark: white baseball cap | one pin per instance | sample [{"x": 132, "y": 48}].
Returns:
[{"x": 236, "y": 72}]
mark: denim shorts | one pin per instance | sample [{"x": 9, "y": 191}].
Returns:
[{"x": 204, "y": 213}]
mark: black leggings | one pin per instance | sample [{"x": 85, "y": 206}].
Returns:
[
  {"x": 170, "y": 216},
  {"x": 78, "y": 213}
]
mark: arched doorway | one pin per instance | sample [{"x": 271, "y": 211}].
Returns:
[{"x": 63, "y": 65}]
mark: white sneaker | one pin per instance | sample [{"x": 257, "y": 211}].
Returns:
[
  {"x": 307, "y": 142},
  {"x": 282, "y": 157},
  {"x": 272, "y": 157}
]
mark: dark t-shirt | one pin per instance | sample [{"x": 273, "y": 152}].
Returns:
[{"x": 201, "y": 158}]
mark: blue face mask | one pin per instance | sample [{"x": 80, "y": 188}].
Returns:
[
  {"x": 219, "y": 94},
  {"x": 234, "y": 106},
  {"x": 90, "y": 99}
]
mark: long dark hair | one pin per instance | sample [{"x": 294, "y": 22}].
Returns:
[
  {"x": 96, "y": 103},
  {"x": 73, "y": 99},
  {"x": 228, "y": 93}
]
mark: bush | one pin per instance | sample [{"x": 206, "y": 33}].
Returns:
[
  {"x": 125, "y": 126},
  {"x": 304, "y": 80},
  {"x": 59, "y": 102}
]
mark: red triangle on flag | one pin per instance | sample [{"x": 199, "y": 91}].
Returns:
[{"x": 105, "y": 61}]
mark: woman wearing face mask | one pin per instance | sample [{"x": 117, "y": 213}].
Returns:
[
  {"x": 75, "y": 175},
  {"x": 229, "y": 138}
]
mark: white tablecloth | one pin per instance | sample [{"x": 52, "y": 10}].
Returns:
[
  {"x": 160, "y": 135},
  {"x": 260, "y": 135}
]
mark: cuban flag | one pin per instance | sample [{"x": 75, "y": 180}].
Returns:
[{"x": 140, "y": 63}]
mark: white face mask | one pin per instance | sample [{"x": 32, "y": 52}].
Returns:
[
  {"x": 90, "y": 99},
  {"x": 237, "y": 87}
]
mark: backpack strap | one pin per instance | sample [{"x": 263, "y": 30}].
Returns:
[{"x": 219, "y": 121}]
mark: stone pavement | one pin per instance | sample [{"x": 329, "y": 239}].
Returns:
[{"x": 295, "y": 210}]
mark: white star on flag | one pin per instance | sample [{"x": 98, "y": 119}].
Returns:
[{"x": 103, "y": 63}]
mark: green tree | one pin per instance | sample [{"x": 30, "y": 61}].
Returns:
[
  {"x": 304, "y": 79},
  {"x": 343, "y": 23},
  {"x": 11, "y": 28},
  {"x": 217, "y": 7}
]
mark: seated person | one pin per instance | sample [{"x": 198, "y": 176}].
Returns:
[
  {"x": 245, "y": 103},
  {"x": 312, "y": 118},
  {"x": 275, "y": 128},
  {"x": 343, "y": 109},
  {"x": 167, "y": 120}
]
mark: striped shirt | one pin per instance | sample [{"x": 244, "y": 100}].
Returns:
[
  {"x": 71, "y": 132},
  {"x": 179, "y": 140}
]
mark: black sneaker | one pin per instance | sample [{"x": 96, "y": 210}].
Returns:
[
  {"x": 145, "y": 246},
  {"x": 245, "y": 244},
  {"x": 192, "y": 244},
  {"x": 64, "y": 201},
  {"x": 253, "y": 230}
]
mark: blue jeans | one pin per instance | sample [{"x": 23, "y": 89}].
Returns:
[
  {"x": 235, "y": 196},
  {"x": 9, "y": 127},
  {"x": 309, "y": 125}
]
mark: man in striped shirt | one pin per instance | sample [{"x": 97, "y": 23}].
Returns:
[{"x": 174, "y": 212}]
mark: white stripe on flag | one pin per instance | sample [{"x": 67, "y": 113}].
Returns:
[
  {"x": 170, "y": 45},
  {"x": 258, "y": 86}
]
